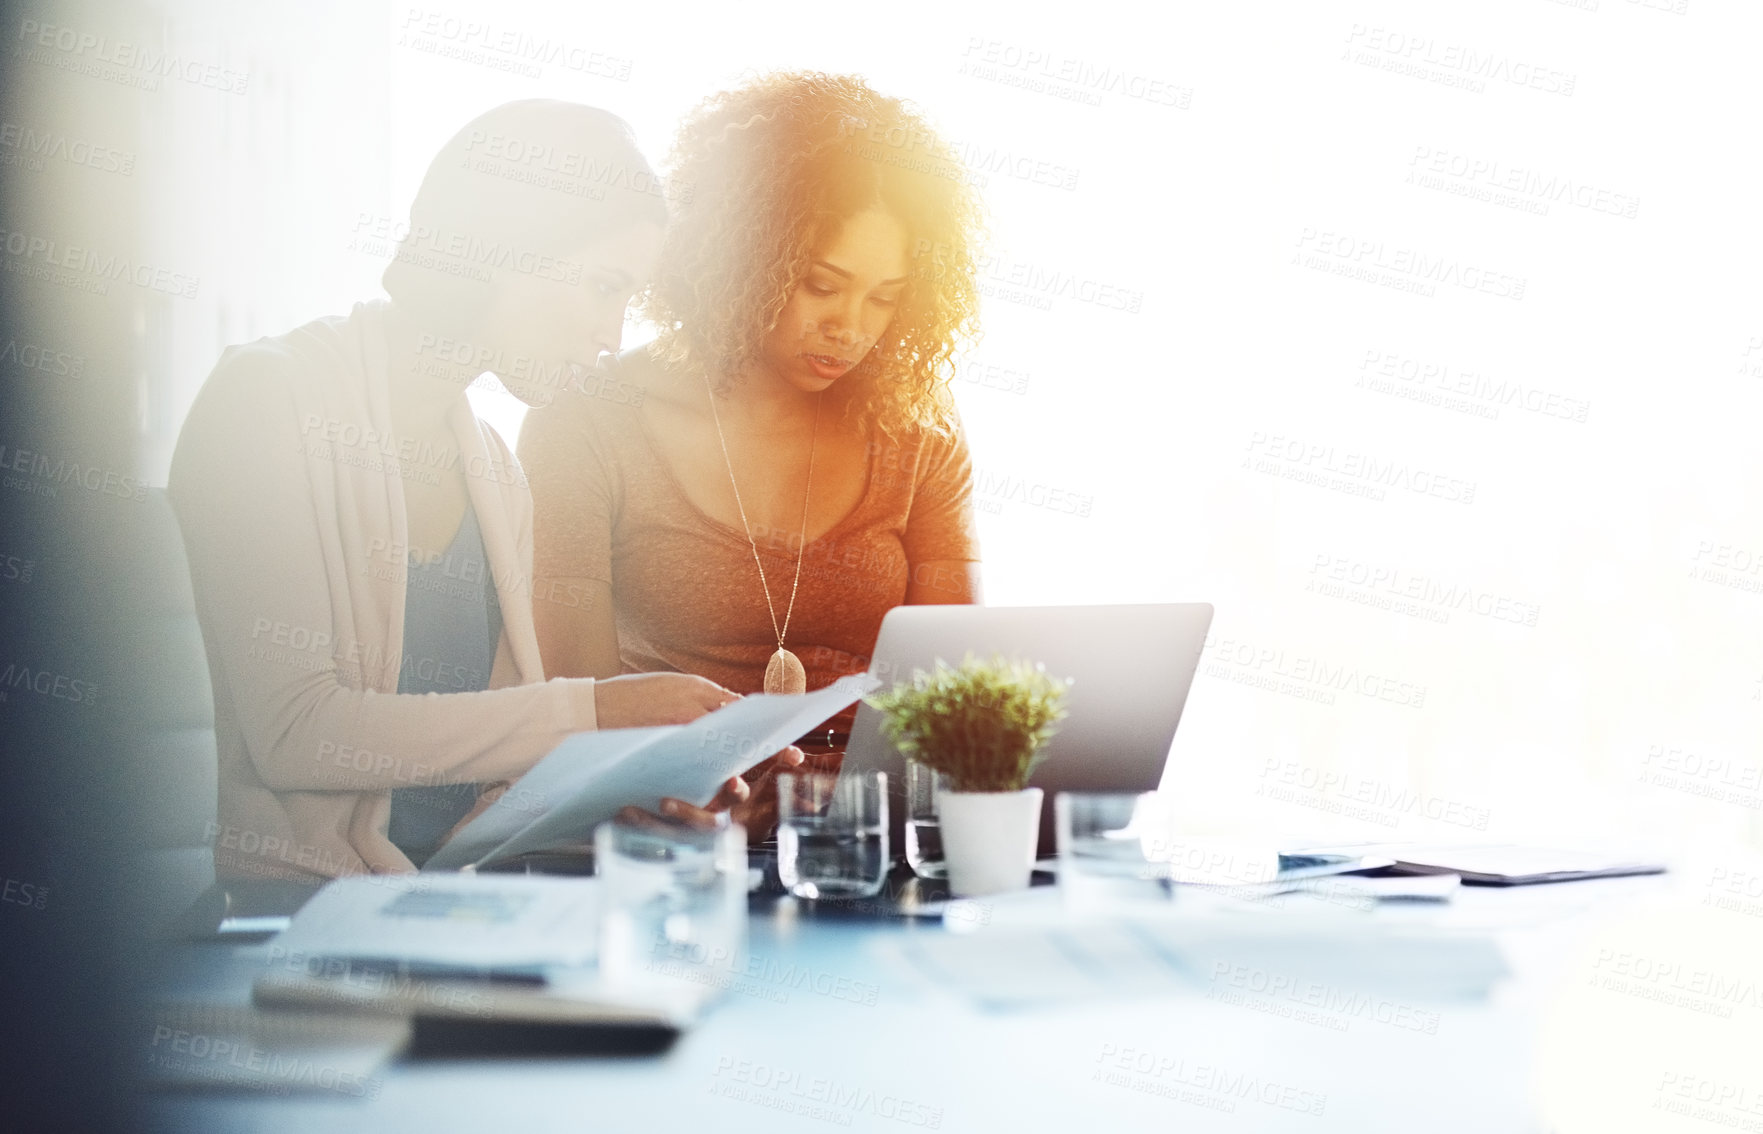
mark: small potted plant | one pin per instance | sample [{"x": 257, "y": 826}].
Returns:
[{"x": 983, "y": 725}]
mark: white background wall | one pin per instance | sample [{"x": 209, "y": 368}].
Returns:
[{"x": 1597, "y": 469}]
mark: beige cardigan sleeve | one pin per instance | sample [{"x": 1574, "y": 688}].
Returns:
[{"x": 267, "y": 583}]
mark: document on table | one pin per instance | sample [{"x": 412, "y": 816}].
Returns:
[
  {"x": 591, "y": 775},
  {"x": 484, "y": 923},
  {"x": 1505, "y": 864},
  {"x": 480, "y": 948},
  {"x": 1354, "y": 889},
  {"x": 1065, "y": 960}
]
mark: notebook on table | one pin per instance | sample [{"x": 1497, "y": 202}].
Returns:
[
  {"x": 1503, "y": 864},
  {"x": 476, "y": 963}
]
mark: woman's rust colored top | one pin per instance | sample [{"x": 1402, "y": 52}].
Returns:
[{"x": 685, "y": 589}]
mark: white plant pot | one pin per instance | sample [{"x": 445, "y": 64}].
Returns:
[{"x": 989, "y": 839}]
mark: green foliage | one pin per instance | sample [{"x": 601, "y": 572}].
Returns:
[{"x": 983, "y": 725}]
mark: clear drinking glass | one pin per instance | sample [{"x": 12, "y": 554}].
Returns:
[
  {"x": 924, "y": 833},
  {"x": 1113, "y": 850},
  {"x": 673, "y": 901},
  {"x": 832, "y": 833}
]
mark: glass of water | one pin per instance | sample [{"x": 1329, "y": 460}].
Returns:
[
  {"x": 924, "y": 833},
  {"x": 673, "y": 901},
  {"x": 1113, "y": 850},
  {"x": 832, "y": 833}
]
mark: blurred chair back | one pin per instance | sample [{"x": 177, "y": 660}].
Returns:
[{"x": 165, "y": 691}]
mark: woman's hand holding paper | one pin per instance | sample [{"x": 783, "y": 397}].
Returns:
[{"x": 753, "y": 804}]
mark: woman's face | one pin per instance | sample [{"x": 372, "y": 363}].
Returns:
[
  {"x": 542, "y": 330},
  {"x": 843, "y": 305}
]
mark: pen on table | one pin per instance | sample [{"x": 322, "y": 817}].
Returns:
[{"x": 426, "y": 970}]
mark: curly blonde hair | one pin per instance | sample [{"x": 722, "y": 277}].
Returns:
[{"x": 759, "y": 177}]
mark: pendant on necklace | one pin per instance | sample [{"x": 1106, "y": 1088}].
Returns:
[{"x": 784, "y": 673}]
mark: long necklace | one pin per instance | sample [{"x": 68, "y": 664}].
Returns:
[{"x": 784, "y": 672}]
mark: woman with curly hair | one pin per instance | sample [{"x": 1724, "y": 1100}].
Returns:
[{"x": 746, "y": 497}]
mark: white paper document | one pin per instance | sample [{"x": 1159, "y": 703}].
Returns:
[
  {"x": 501, "y": 922},
  {"x": 590, "y": 776},
  {"x": 1083, "y": 961},
  {"x": 477, "y": 947},
  {"x": 1506, "y": 864}
]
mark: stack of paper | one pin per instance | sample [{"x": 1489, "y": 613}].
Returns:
[
  {"x": 1334, "y": 958},
  {"x": 588, "y": 778},
  {"x": 496, "y": 924},
  {"x": 482, "y": 948}
]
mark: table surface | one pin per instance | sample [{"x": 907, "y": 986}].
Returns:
[{"x": 826, "y": 1027}]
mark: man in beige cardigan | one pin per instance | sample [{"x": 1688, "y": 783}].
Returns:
[{"x": 317, "y": 467}]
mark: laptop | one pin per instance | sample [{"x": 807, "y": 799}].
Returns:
[{"x": 1131, "y": 668}]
